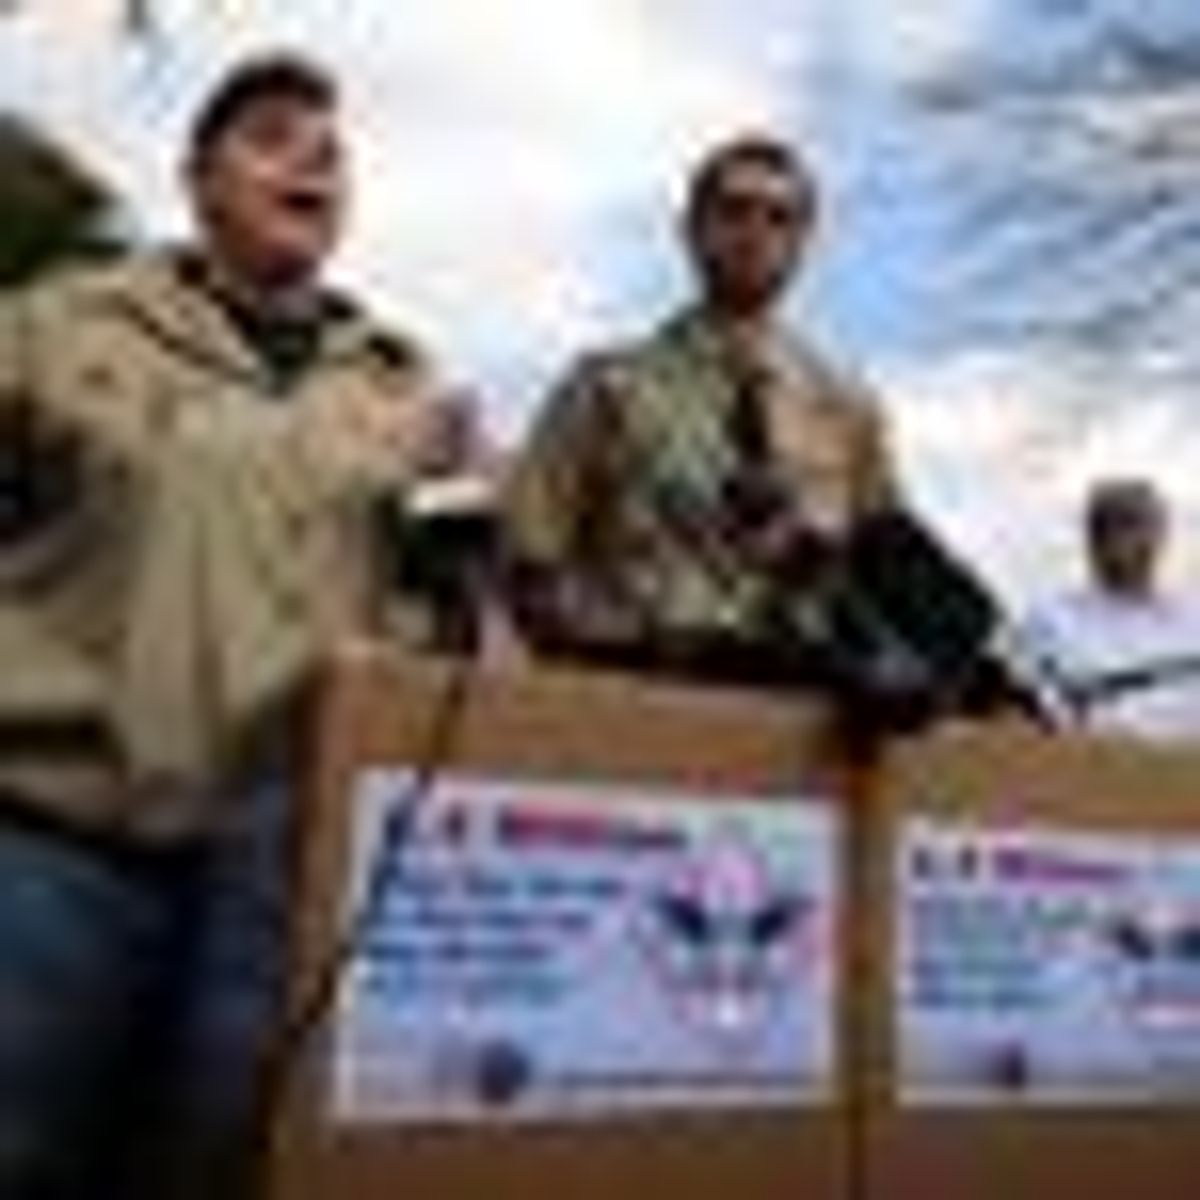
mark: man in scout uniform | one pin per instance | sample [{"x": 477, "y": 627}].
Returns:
[
  {"x": 683, "y": 499},
  {"x": 190, "y": 445}
]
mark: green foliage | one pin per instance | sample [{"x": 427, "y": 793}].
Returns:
[{"x": 52, "y": 209}]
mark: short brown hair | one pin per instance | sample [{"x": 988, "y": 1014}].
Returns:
[
  {"x": 277, "y": 75},
  {"x": 759, "y": 149},
  {"x": 1121, "y": 499}
]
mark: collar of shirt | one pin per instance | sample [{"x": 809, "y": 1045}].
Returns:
[{"x": 285, "y": 339}]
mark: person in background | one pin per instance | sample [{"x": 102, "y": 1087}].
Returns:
[
  {"x": 716, "y": 501},
  {"x": 191, "y": 445},
  {"x": 1122, "y": 648},
  {"x": 669, "y": 484},
  {"x": 441, "y": 547}
]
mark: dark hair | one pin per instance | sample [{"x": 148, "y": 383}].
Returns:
[
  {"x": 757, "y": 149},
  {"x": 280, "y": 75},
  {"x": 1122, "y": 499}
]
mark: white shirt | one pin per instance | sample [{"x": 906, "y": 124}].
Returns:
[{"x": 1134, "y": 662}]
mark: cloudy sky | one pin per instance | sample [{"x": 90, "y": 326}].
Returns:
[{"x": 1011, "y": 251}]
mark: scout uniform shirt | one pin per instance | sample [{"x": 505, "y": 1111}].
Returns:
[
  {"x": 201, "y": 539},
  {"x": 616, "y": 510}
]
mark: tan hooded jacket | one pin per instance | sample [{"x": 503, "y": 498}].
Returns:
[{"x": 212, "y": 547}]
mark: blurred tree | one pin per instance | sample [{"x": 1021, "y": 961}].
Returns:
[{"x": 52, "y": 208}]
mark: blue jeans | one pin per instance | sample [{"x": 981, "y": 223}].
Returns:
[
  {"x": 84, "y": 953},
  {"x": 231, "y": 990},
  {"x": 135, "y": 1006}
]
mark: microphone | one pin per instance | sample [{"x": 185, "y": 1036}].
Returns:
[
  {"x": 908, "y": 627},
  {"x": 439, "y": 543},
  {"x": 448, "y": 555}
]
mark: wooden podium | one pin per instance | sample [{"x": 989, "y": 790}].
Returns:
[
  {"x": 547, "y": 726},
  {"x": 873, "y": 1140},
  {"x": 1012, "y": 778}
]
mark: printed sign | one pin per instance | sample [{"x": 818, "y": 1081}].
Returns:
[
  {"x": 553, "y": 949},
  {"x": 1046, "y": 965}
]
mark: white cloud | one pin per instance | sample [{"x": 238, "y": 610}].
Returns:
[
  {"x": 999, "y": 451},
  {"x": 497, "y": 138},
  {"x": 913, "y": 41},
  {"x": 78, "y": 19}
]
